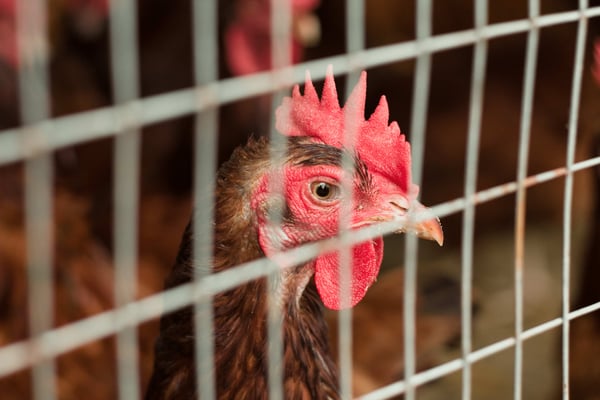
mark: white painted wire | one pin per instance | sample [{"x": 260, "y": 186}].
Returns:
[
  {"x": 205, "y": 56},
  {"x": 578, "y": 66},
  {"x": 34, "y": 108},
  {"x": 521, "y": 195},
  {"x": 417, "y": 140},
  {"x": 355, "y": 41},
  {"x": 471, "y": 167},
  {"x": 281, "y": 34},
  {"x": 125, "y": 84},
  {"x": 40, "y": 134}
]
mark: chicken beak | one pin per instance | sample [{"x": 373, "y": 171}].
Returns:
[{"x": 417, "y": 219}]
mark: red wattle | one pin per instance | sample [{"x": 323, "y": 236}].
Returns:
[{"x": 366, "y": 262}]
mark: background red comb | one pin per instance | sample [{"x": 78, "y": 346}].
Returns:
[
  {"x": 324, "y": 120},
  {"x": 8, "y": 39}
]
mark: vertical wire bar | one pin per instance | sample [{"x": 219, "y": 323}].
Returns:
[
  {"x": 355, "y": 33},
  {"x": 35, "y": 108},
  {"x": 521, "y": 195},
  {"x": 418, "y": 126},
  {"x": 205, "y": 140},
  {"x": 345, "y": 267},
  {"x": 410, "y": 283},
  {"x": 281, "y": 36},
  {"x": 124, "y": 60},
  {"x": 568, "y": 196},
  {"x": 471, "y": 166},
  {"x": 355, "y": 30}
]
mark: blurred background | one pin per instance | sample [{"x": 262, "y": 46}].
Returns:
[{"x": 80, "y": 80}]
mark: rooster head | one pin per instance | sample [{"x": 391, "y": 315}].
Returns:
[{"x": 314, "y": 194}]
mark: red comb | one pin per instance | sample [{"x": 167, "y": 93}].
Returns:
[{"x": 379, "y": 144}]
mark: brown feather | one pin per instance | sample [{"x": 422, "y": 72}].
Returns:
[{"x": 241, "y": 358}]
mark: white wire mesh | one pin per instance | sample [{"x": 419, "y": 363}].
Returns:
[
  {"x": 33, "y": 89},
  {"x": 125, "y": 68},
  {"x": 40, "y": 135},
  {"x": 205, "y": 138}
]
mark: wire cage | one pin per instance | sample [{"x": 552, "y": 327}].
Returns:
[{"x": 115, "y": 116}]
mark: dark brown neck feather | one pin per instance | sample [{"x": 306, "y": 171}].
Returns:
[{"x": 240, "y": 314}]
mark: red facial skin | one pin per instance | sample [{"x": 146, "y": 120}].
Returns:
[{"x": 313, "y": 219}]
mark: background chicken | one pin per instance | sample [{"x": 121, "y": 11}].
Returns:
[{"x": 83, "y": 283}]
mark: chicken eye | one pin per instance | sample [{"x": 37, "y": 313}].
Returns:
[{"x": 324, "y": 191}]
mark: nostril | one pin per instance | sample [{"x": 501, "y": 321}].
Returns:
[
  {"x": 399, "y": 202},
  {"x": 399, "y": 206}
]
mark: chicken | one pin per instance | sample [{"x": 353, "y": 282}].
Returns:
[{"x": 311, "y": 169}]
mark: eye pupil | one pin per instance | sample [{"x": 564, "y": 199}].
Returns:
[
  {"x": 322, "y": 190},
  {"x": 324, "y": 193}
]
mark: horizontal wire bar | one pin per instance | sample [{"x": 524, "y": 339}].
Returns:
[
  {"x": 100, "y": 123},
  {"x": 495, "y": 192},
  {"x": 584, "y": 311},
  {"x": 69, "y": 337}
]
